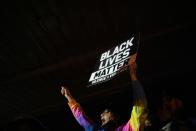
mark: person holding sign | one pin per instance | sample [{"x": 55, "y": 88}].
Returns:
[{"x": 139, "y": 113}]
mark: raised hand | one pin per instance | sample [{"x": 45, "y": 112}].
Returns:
[
  {"x": 65, "y": 92},
  {"x": 133, "y": 67}
]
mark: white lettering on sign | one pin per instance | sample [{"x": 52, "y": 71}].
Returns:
[{"x": 111, "y": 61}]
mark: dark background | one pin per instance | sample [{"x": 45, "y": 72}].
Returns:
[{"x": 48, "y": 43}]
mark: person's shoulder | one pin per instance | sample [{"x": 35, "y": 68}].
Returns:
[
  {"x": 182, "y": 125},
  {"x": 192, "y": 123}
]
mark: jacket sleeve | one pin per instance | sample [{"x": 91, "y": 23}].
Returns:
[
  {"x": 80, "y": 116},
  {"x": 139, "y": 105}
]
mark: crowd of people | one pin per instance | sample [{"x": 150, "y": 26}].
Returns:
[{"x": 169, "y": 115}]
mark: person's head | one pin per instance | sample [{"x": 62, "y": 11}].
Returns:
[
  {"x": 108, "y": 116},
  {"x": 144, "y": 119},
  {"x": 169, "y": 108}
]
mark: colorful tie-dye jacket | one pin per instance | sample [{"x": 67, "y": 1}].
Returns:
[{"x": 132, "y": 125}]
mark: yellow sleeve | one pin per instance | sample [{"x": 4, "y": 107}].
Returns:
[{"x": 135, "y": 117}]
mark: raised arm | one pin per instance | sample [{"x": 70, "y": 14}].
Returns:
[
  {"x": 138, "y": 115},
  {"x": 77, "y": 111},
  {"x": 139, "y": 97}
]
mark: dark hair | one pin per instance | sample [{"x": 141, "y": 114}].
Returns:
[
  {"x": 112, "y": 124},
  {"x": 114, "y": 113}
]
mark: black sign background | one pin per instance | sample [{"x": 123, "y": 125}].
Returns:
[{"x": 113, "y": 61}]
